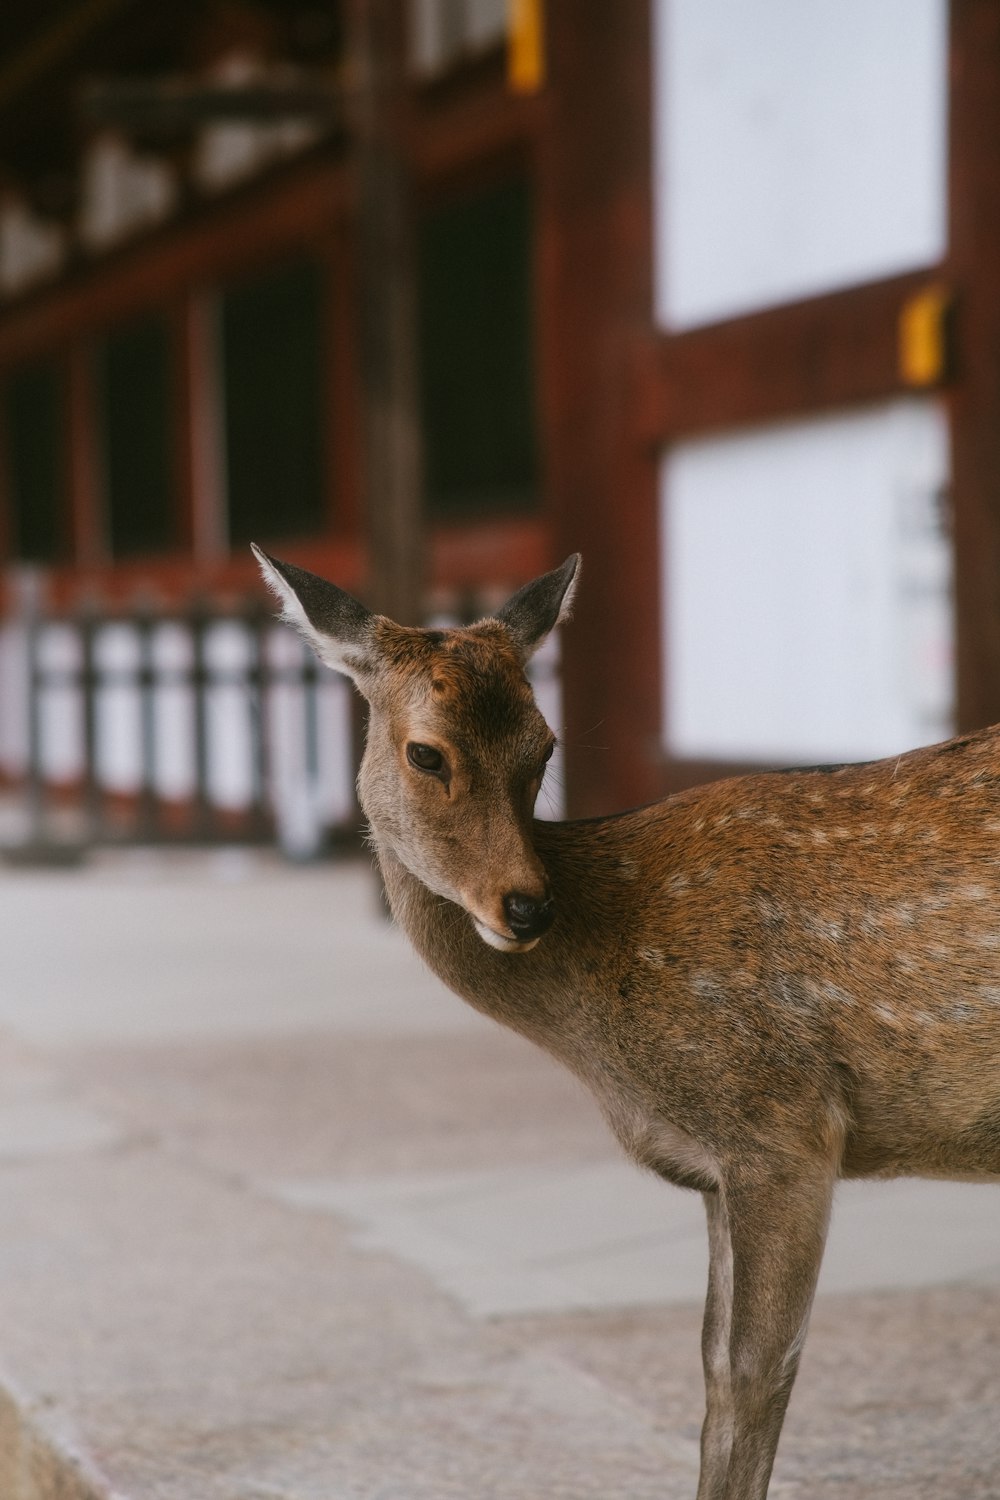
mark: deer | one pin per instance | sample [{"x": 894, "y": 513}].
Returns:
[{"x": 770, "y": 982}]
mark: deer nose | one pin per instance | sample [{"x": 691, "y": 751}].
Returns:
[{"x": 527, "y": 916}]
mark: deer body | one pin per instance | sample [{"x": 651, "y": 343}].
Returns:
[
  {"x": 758, "y": 963},
  {"x": 768, "y": 983}
]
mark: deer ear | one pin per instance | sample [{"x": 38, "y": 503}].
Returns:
[
  {"x": 534, "y": 611},
  {"x": 334, "y": 624}
]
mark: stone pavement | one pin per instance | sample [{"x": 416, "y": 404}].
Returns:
[{"x": 282, "y": 1220}]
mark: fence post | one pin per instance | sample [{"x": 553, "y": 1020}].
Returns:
[
  {"x": 38, "y": 846},
  {"x": 258, "y": 619},
  {"x": 199, "y": 617},
  {"x": 146, "y": 811},
  {"x": 87, "y": 629}
]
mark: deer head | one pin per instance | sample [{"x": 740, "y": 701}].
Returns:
[{"x": 456, "y": 746}]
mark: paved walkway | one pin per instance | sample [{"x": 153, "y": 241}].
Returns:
[{"x": 282, "y": 1220}]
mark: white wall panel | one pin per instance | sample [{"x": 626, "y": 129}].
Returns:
[
  {"x": 800, "y": 146},
  {"x": 807, "y": 589}
]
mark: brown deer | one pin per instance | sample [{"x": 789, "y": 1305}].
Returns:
[{"x": 769, "y": 983}]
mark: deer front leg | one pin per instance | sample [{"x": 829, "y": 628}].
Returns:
[
  {"x": 766, "y": 1242},
  {"x": 717, "y": 1430}
]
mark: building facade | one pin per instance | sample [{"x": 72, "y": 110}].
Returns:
[{"x": 705, "y": 291}]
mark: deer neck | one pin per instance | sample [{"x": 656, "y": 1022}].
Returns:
[{"x": 543, "y": 993}]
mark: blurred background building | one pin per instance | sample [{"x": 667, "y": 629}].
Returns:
[{"x": 706, "y": 290}]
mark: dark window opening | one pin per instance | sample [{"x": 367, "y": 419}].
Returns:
[
  {"x": 36, "y": 464},
  {"x": 476, "y": 355},
  {"x": 272, "y": 338},
  {"x": 134, "y": 391}
]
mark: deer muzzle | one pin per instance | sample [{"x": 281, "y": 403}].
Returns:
[
  {"x": 513, "y": 922},
  {"x": 528, "y": 917}
]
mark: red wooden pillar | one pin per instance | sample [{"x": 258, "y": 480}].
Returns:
[
  {"x": 974, "y": 263},
  {"x": 388, "y": 310},
  {"x": 198, "y": 431},
  {"x": 596, "y": 296},
  {"x": 90, "y": 548}
]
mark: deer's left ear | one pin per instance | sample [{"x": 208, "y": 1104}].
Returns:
[
  {"x": 331, "y": 621},
  {"x": 534, "y": 611}
]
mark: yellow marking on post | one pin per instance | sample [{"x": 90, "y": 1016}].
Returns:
[
  {"x": 525, "y": 45},
  {"x": 923, "y": 353}
]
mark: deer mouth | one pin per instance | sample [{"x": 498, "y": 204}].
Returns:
[{"x": 502, "y": 941}]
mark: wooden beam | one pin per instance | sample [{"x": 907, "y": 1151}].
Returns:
[
  {"x": 172, "y": 105},
  {"x": 264, "y": 220},
  {"x": 816, "y": 355},
  {"x": 460, "y": 123},
  {"x": 974, "y": 258}
]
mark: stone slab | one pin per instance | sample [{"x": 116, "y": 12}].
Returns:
[
  {"x": 603, "y": 1235},
  {"x": 241, "y": 1132}
]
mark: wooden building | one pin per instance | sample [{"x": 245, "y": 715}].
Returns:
[{"x": 709, "y": 292}]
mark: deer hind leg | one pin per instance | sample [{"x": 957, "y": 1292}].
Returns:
[{"x": 766, "y": 1242}]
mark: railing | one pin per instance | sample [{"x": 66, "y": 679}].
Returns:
[
  {"x": 193, "y": 726},
  {"x": 165, "y": 726}
]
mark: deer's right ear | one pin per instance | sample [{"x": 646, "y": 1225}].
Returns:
[{"x": 334, "y": 624}]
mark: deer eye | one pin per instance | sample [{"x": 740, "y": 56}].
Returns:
[{"x": 425, "y": 758}]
